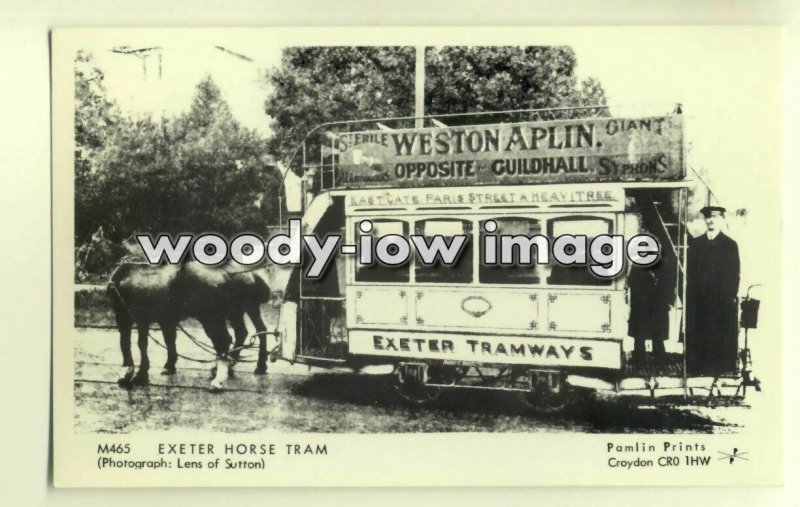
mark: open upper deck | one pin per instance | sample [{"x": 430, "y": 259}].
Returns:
[{"x": 573, "y": 150}]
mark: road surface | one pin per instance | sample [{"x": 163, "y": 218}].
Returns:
[{"x": 295, "y": 398}]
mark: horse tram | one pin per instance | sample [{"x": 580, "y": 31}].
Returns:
[{"x": 544, "y": 331}]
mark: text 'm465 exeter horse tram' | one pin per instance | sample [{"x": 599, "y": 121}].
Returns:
[{"x": 542, "y": 330}]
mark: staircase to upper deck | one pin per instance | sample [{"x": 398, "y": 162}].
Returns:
[{"x": 665, "y": 215}]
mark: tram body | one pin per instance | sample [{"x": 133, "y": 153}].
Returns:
[{"x": 531, "y": 329}]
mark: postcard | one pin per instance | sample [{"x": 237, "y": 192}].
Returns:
[{"x": 484, "y": 256}]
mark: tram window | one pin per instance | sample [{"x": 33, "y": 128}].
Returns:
[
  {"x": 515, "y": 274},
  {"x": 378, "y": 272},
  {"x": 461, "y": 271},
  {"x": 586, "y": 226}
]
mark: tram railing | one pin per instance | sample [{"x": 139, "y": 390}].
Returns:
[{"x": 323, "y": 332}]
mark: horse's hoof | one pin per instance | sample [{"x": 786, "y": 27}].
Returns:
[
  {"x": 215, "y": 387},
  {"x": 125, "y": 380},
  {"x": 140, "y": 379},
  {"x": 169, "y": 371},
  {"x": 261, "y": 369}
]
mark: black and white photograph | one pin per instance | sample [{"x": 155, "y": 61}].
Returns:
[{"x": 302, "y": 241}]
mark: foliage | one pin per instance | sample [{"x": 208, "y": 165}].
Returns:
[
  {"x": 478, "y": 79},
  {"x": 96, "y": 119},
  {"x": 199, "y": 172},
  {"x": 317, "y": 85}
]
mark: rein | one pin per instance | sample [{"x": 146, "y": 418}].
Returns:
[{"x": 200, "y": 345}]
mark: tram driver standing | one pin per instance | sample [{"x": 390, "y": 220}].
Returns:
[{"x": 712, "y": 284}]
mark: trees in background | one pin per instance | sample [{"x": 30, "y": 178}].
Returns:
[
  {"x": 96, "y": 120},
  {"x": 199, "y": 172},
  {"x": 314, "y": 85},
  {"x": 203, "y": 171},
  {"x": 471, "y": 79}
]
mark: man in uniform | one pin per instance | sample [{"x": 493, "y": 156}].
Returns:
[{"x": 712, "y": 283}]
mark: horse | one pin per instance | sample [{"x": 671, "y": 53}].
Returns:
[{"x": 142, "y": 294}]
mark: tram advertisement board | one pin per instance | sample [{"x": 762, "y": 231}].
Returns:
[{"x": 559, "y": 151}]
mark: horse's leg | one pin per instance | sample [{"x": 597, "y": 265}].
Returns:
[
  {"x": 124, "y": 325},
  {"x": 142, "y": 376},
  {"x": 216, "y": 329},
  {"x": 261, "y": 328},
  {"x": 208, "y": 327},
  {"x": 240, "y": 333},
  {"x": 169, "y": 330},
  {"x": 205, "y": 322}
]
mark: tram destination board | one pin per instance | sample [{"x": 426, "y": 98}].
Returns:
[{"x": 562, "y": 151}]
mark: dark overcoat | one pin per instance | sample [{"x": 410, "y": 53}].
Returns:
[
  {"x": 712, "y": 283},
  {"x": 652, "y": 291}
]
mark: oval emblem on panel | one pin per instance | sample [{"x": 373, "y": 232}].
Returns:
[{"x": 476, "y": 306}]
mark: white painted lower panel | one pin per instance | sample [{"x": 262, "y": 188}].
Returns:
[
  {"x": 580, "y": 312},
  {"x": 378, "y": 305},
  {"x": 478, "y": 309},
  {"x": 574, "y": 352}
]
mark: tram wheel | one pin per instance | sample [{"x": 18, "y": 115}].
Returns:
[
  {"x": 413, "y": 391},
  {"x": 548, "y": 395},
  {"x": 417, "y": 394},
  {"x": 547, "y": 402}
]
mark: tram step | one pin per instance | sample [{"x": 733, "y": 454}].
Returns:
[{"x": 661, "y": 383}]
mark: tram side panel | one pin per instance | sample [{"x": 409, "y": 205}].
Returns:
[{"x": 488, "y": 325}]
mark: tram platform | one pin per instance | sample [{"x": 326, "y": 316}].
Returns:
[{"x": 670, "y": 365}]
